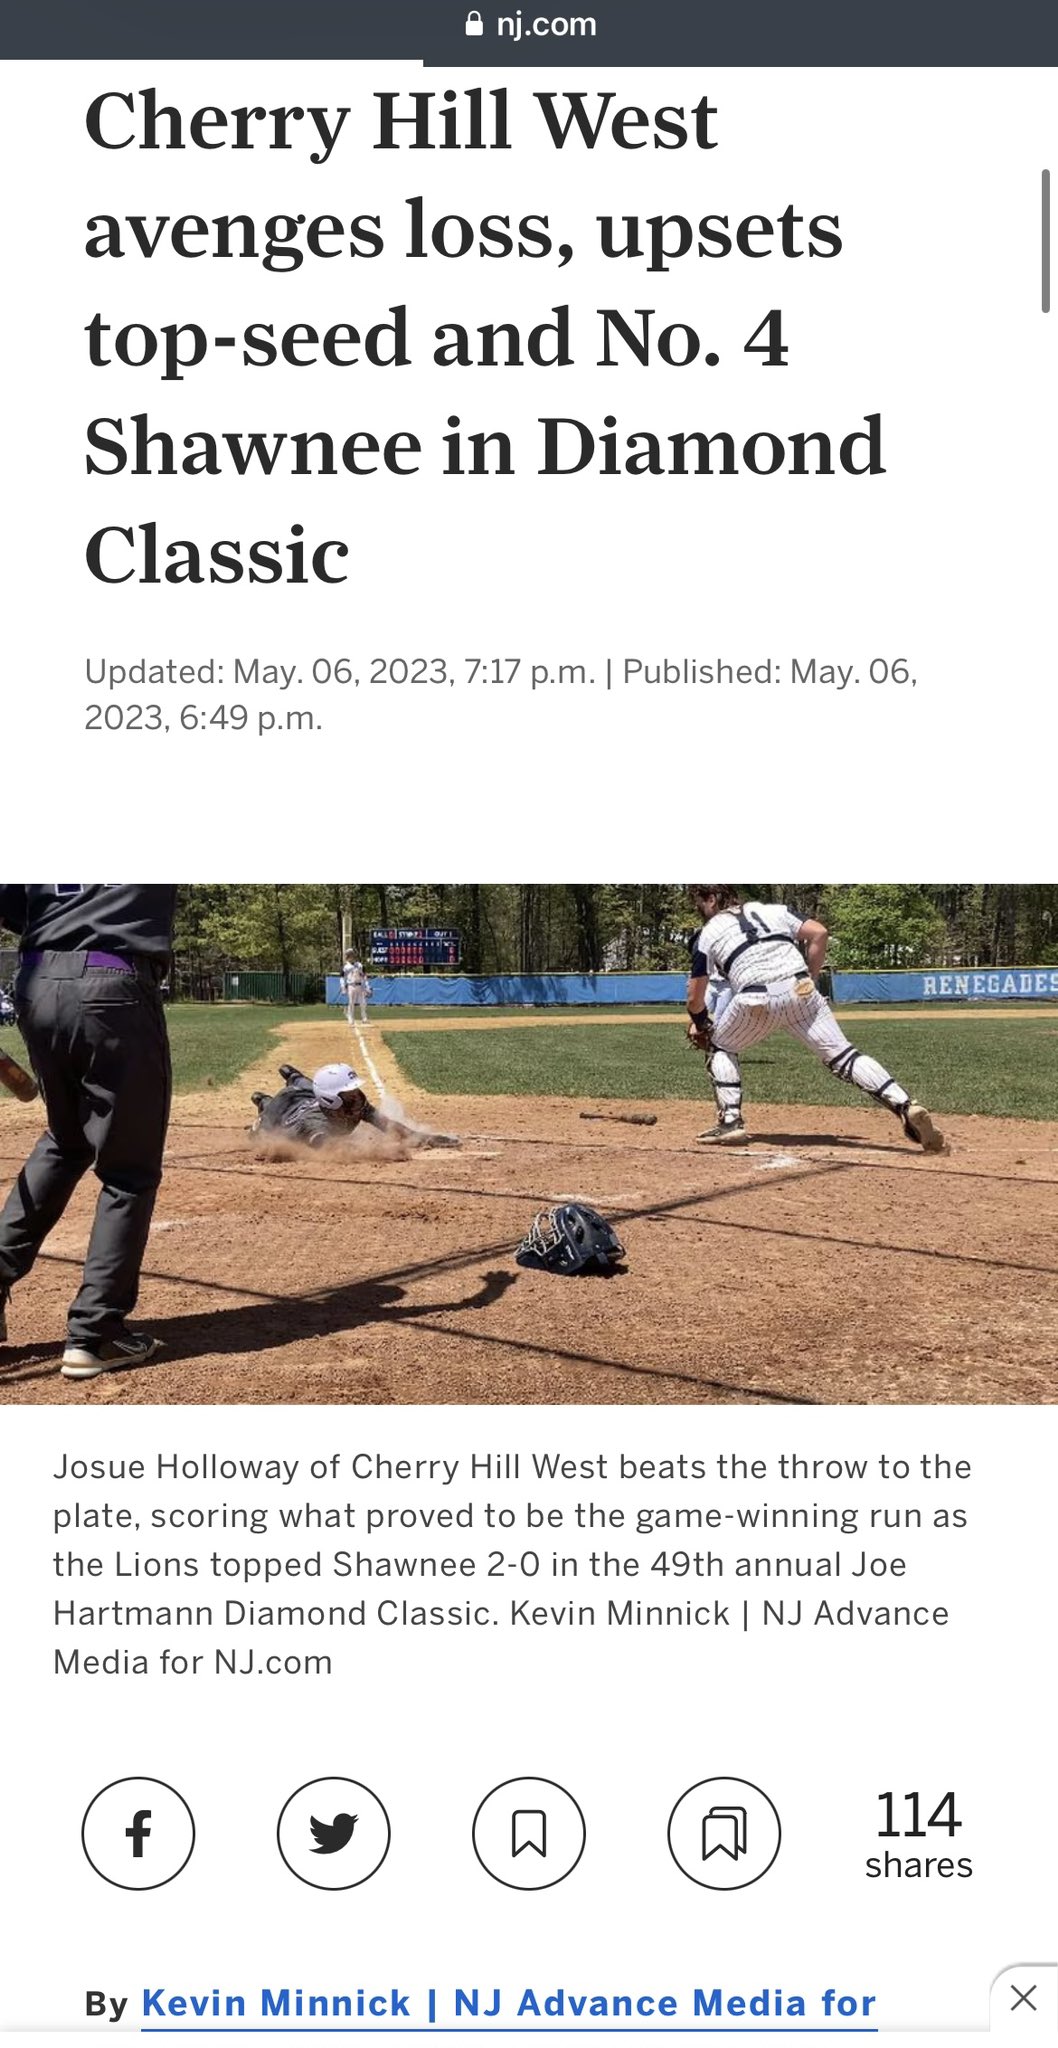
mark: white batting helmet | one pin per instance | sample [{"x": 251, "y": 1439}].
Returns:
[{"x": 331, "y": 1083}]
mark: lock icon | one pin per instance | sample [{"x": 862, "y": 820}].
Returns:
[{"x": 475, "y": 26}]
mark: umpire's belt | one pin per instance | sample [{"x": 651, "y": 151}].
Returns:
[
  {"x": 764, "y": 988},
  {"x": 73, "y": 964}
]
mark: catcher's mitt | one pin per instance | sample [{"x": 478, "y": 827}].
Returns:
[{"x": 699, "y": 1036}]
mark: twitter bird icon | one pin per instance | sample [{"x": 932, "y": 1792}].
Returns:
[
  {"x": 333, "y": 1833},
  {"x": 333, "y": 1836}
]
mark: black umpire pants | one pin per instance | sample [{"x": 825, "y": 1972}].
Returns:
[{"x": 98, "y": 1044}]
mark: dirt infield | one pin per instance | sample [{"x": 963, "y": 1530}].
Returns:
[{"x": 824, "y": 1262}]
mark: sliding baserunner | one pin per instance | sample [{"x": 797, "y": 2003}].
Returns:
[{"x": 328, "y": 1107}]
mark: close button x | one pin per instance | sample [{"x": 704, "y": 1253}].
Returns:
[{"x": 1024, "y": 1998}]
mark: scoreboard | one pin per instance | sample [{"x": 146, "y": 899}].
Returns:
[{"x": 413, "y": 946}]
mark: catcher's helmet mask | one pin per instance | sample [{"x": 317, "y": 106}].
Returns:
[{"x": 571, "y": 1239}]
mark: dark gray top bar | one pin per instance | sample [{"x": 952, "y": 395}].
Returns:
[{"x": 671, "y": 32}]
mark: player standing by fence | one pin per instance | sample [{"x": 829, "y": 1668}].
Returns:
[{"x": 357, "y": 989}]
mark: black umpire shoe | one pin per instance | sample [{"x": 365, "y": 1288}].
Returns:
[{"x": 85, "y": 1361}]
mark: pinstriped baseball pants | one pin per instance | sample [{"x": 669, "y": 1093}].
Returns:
[{"x": 795, "y": 1006}]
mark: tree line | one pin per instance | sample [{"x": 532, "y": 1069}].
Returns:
[
  {"x": 552, "y": 928},
  {"x": 537, "y": 928}
]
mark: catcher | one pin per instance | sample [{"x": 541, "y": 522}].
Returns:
[
  {"x": 328, "y": 1107},
  {"x": 769, "y": 959}
]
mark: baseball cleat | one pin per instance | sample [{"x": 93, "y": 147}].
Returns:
[
  {"x": 85, "y": 1361},
  {"x": 920, "y": 1128},
  {"x": 728, "y": 1129}
]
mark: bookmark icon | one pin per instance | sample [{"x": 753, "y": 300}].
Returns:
[
  {"x": 528, "y": 1846},
  {"x": 528, "y": 1830},
  {"x": 724, "y": 1832}
]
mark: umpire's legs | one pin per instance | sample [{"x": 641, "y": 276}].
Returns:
[
  {"x": 35, "y": 1204},
  {"x": 127, "y": 1089},
  {"x": 60, "y": 1158},
  {"x": 99, "y": 1046}
]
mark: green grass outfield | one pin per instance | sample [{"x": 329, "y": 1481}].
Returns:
[
  {"x": 958, "y": 1065},
  {"x": 959, "y": 1062},
  {"x": 212, "y": 1042},
  {"x": 382, "y": 1012}
]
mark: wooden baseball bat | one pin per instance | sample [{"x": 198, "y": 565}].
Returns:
[
  {"x": 616, "y": 1116},
  {"x": 15, "y": 1078}
]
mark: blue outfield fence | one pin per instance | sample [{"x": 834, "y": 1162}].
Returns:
[
  {"x": 543, "y": 991},
  {"x": 553, "y": 991},
  {"x": 950, "y": 985}
]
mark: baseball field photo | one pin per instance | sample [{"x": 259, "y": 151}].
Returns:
[{"x": 528, "y": 1143}]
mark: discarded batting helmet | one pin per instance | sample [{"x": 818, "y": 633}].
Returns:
[{"x": 570, "y": 1239}]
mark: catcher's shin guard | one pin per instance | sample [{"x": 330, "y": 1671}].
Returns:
[
  {"x": 861, "y": 1071},
  {"x": 726, "y": 1077}
]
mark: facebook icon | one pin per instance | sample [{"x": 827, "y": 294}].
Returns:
[
  {"x": 138, "y": 1833},
  {"x": 139, "y": 1830}
]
